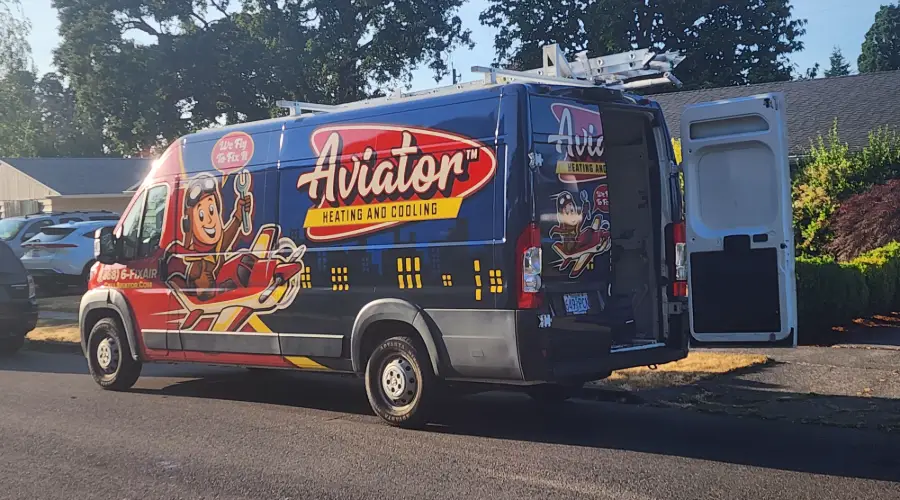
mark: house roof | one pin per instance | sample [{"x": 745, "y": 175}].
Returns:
[
  {"x": 860, "y": 103},
  {"x": 83, "y": 176}
]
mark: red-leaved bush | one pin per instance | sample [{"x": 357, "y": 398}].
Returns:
[{"x": 866, "y": 221}]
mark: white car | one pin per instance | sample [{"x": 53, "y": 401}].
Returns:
[{"x": 62, "y": 254}]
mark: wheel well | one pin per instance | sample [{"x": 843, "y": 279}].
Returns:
[
  {"x": 95, "y": 315},
  {"x": 380, "y": 331}
]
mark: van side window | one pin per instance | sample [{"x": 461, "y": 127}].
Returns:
[
  {"x": 154, "y": 215},
  {"x": 66, "y": 220},
  {"x": 131, "y": 227}
]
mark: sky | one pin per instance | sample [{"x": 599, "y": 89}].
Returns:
[{"x": 832, "y": 23}]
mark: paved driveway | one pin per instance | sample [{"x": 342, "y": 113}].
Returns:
[{"x": 191, "y": 432}]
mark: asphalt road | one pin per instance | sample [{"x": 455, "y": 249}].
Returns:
[{"x": 193, "y": 432}]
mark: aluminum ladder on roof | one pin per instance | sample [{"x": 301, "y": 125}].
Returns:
[{"x": 624, "y": 71}]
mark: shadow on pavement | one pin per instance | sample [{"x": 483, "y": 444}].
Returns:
[
  {"x": 511, "y": 416},
  {"x": 737, "y": 435}
]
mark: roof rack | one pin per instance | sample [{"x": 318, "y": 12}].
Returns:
[{"x": 624, "y": 71}]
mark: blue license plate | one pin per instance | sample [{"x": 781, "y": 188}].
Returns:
[{"x": 576, "y": 303}]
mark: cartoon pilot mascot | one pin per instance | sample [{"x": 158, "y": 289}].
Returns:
[
  {"x": 570, "y": 218},
  {"x": 207, "y": 236}
]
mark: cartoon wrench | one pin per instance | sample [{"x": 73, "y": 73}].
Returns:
[{"x": 242, "y": 188}]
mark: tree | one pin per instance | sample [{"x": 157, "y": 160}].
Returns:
[
  {"x": 726, "y": 43},
  {"x": 38, "y": 117},
  {"x": 19, "y": 119},
  {"x": 866, "y": 221},
  {"x": 157, "y": 69},
  {"x": 15, "y": 53},
  {"x": 881, "y": 49},
  {"x": 839, "y": 65},
  {"x": 811, "y": 73},
  {"x": 66, "y": 129}
]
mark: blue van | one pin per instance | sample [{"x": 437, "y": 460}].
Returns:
[{"x": 525, "y": 235}]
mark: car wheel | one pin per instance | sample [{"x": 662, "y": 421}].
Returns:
[
  {"x": 400, "y": 383},
  {"x": 550, "y": 393},
  {"x": 109, "y": 357},
  {"x": 11, "y": 345}
]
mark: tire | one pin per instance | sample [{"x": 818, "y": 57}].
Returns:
[
  {"x": 112, "y": 366},
  {"x": 11, "y": 345},
  {"x": 400, "y": 383},
  {"x": 550, "y": 393}
]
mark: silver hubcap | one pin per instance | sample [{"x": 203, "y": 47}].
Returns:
[
  {"x": 398, "y": 381},
  {"x": 108, "y": 355}
]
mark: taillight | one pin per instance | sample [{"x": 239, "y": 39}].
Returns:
[
  {"x": 679, "y": 285},
  {"x": 529, "y": 258}
]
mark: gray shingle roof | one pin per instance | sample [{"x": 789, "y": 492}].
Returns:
[
  {"x": 860, "y": 103},
  {"x": 74, "y": 176}
]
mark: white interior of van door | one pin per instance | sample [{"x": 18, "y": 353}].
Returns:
[{"x": 740, "y": 246}]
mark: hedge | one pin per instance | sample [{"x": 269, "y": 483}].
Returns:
[{"x": 831, "y": 293}]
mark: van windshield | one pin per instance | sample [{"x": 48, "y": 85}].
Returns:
[{"x": 9, "y": 228}]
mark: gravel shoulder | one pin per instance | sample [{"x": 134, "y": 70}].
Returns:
[{"x": 833, "y": 386}]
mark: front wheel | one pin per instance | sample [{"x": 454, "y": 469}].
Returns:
[
  {"x": 400, "y": 383},
  {"x": 109, "y": 357}
]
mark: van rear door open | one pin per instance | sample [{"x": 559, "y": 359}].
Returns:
[
  {"x": 595, "y": 201},
  {"x": 740, "y": 246}
]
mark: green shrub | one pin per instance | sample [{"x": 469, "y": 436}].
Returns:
[
  {"x": 828, "y": 294},
  {"x": 831, "y": 174},
  {"x": 831, "y": 293},
  {"x": 817, "y": 188},
  {"x": 881, "y": 268}
]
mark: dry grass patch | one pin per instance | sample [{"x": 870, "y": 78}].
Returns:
[
  {"x": 65, "y": 303},
  {"x": 56, "y": 333},
  {"x": 696, "y": 366}
]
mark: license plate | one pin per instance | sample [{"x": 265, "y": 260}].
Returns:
[{"x": 576, "y": 303}]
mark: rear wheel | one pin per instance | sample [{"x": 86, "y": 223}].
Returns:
[
  {"x": 11, "y": 345},
  {"x": 400, "y": 383},
  {"x": 109, "y": 357}
]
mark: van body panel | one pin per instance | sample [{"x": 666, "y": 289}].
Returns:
[
  {"x": 285, "y": 242},
  {"x": 479, "y": 343}
]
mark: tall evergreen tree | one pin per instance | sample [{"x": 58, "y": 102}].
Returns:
[
  {"x": 838, "y": 64},
  {"x": 881, "y": 49}
]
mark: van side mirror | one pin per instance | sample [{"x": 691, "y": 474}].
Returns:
[{"x": 106, "y": 246}]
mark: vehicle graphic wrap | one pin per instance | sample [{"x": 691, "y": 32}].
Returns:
[
  {"x": 580, "y": 141},
  {"x": 232, "y": 152},
  {"x": 372, "y": 177},
  {"x": 571, "y": 190},
  {"x": 581, "y": 232},
  {"x": 277, "y": 234}
]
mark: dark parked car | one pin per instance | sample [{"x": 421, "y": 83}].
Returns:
[{"x": 18, "y": 307}]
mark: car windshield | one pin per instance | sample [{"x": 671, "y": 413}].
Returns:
[{"x": 9, "y": 228}]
